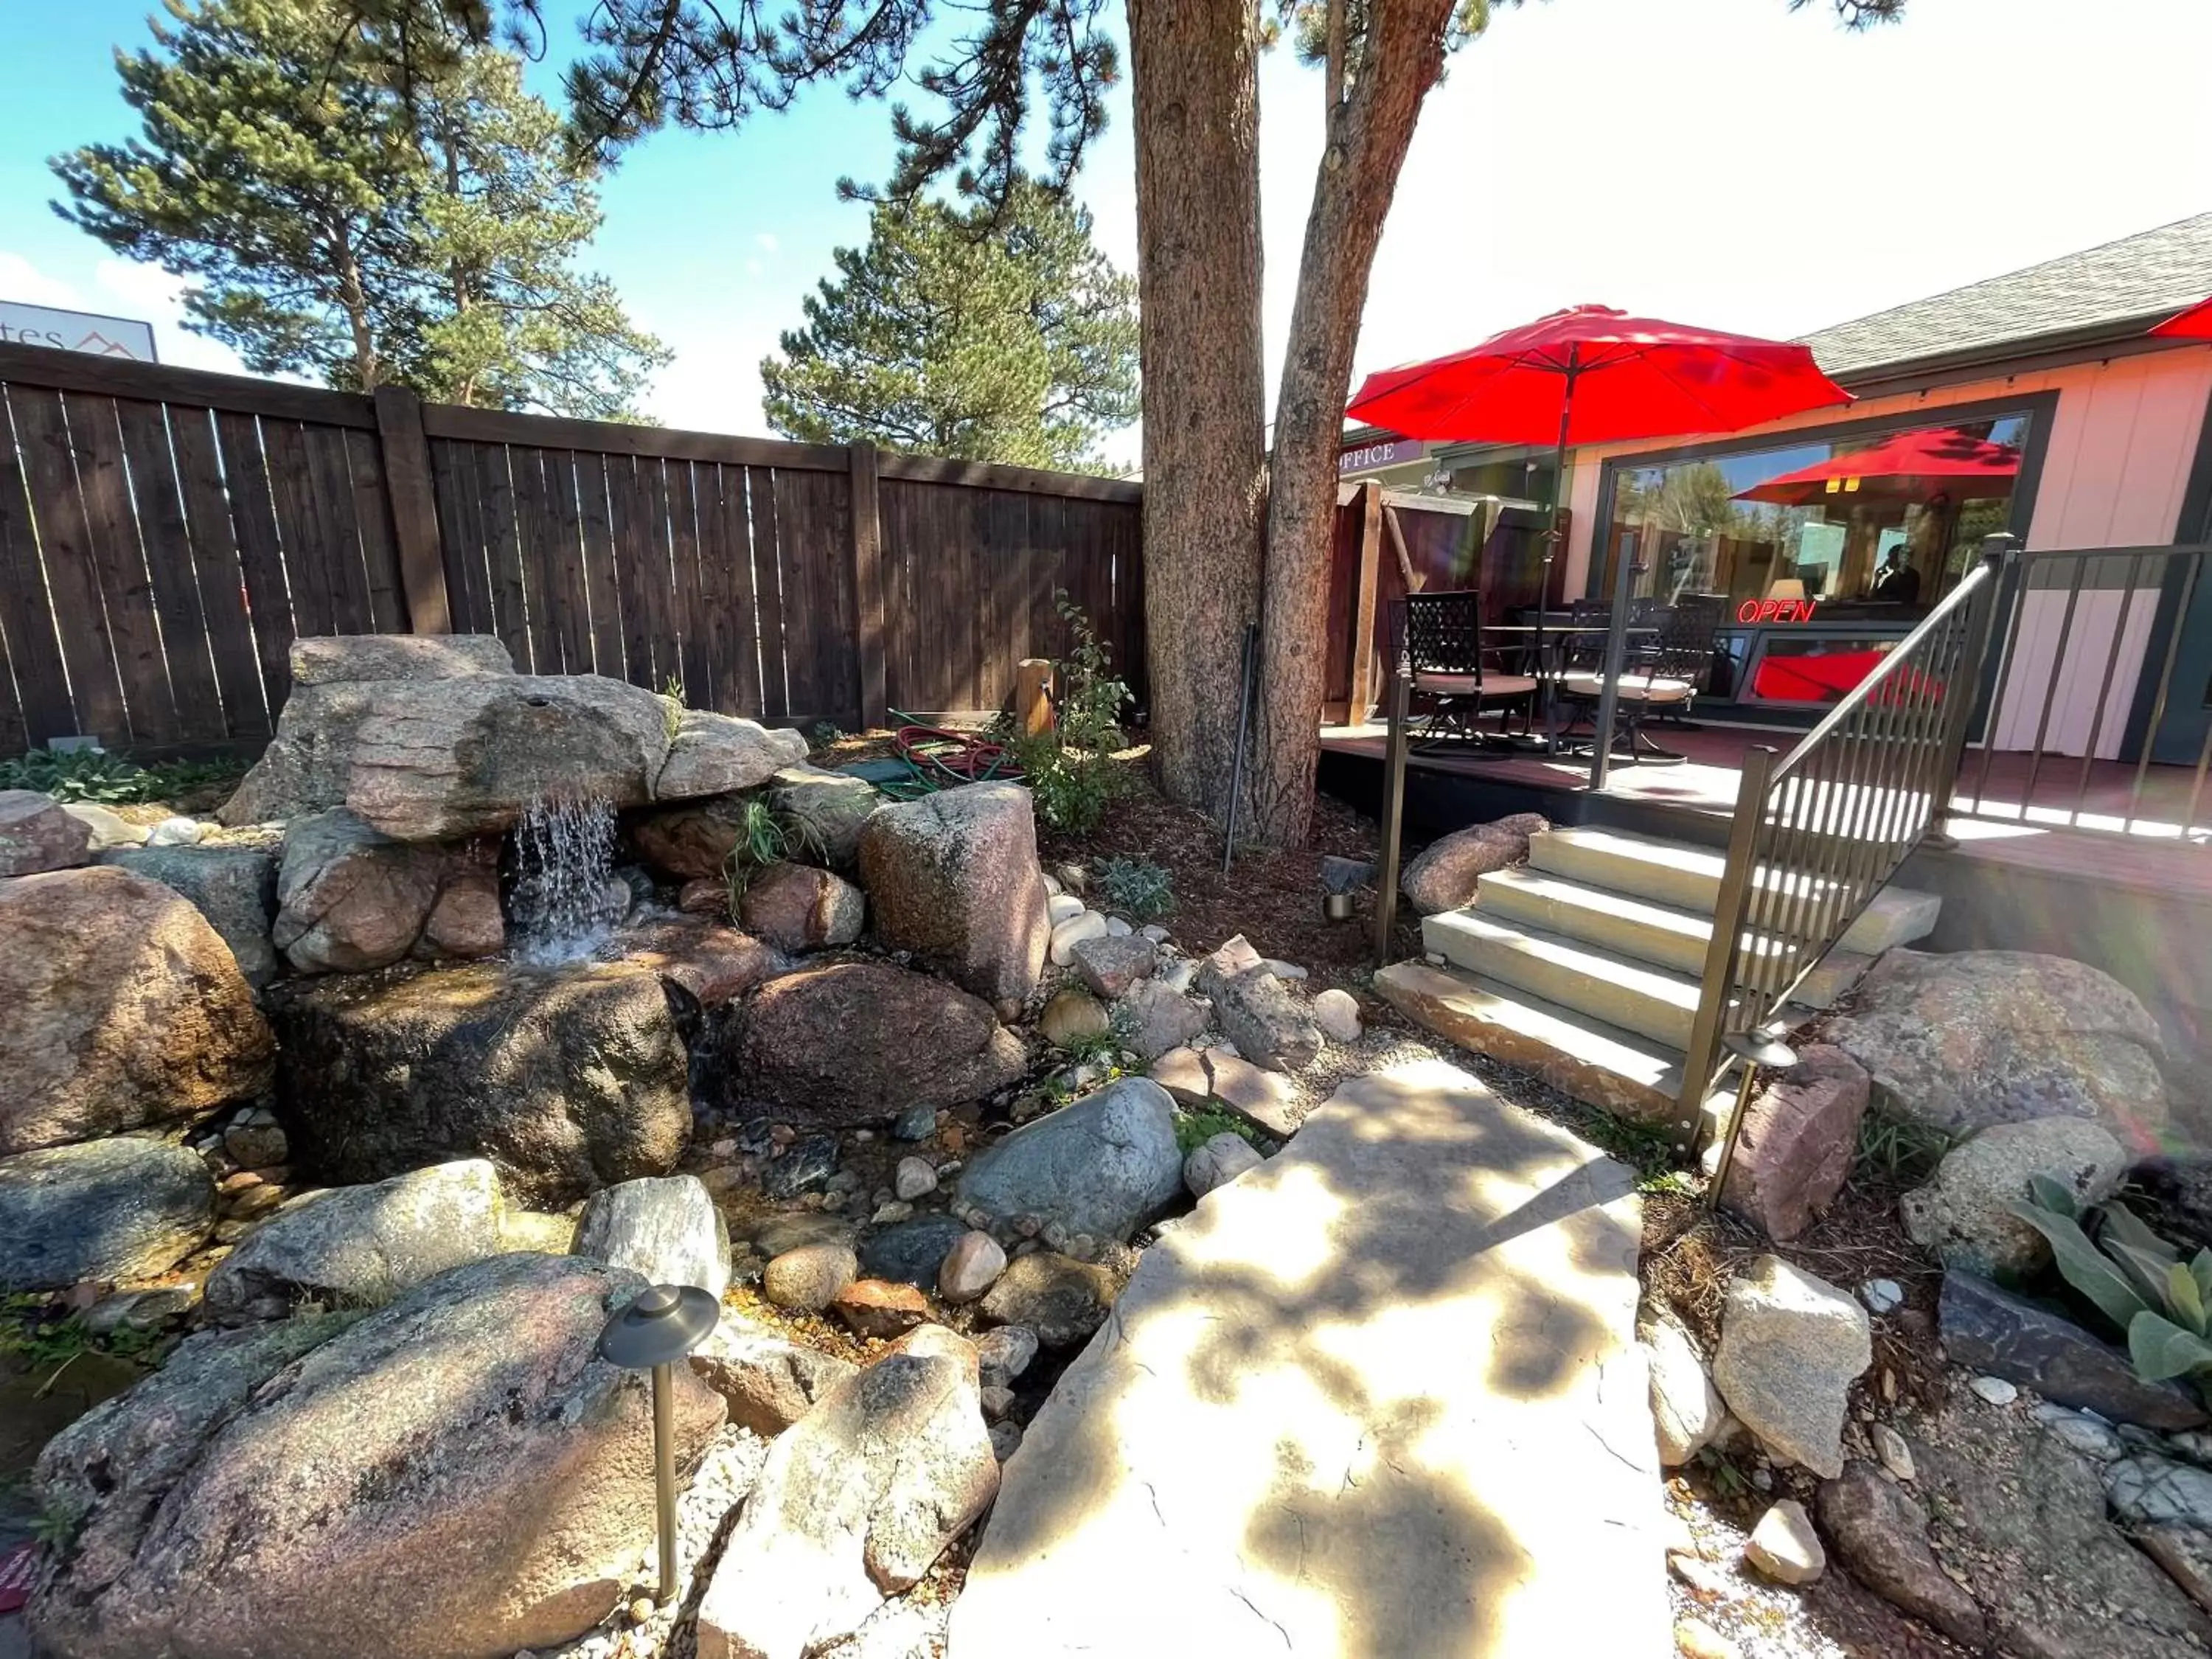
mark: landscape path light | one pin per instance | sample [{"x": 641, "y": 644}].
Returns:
[
  {"x": 660, "y": 1326},
  {"x": 1762, "y": 1047}
]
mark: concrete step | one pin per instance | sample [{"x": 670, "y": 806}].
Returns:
[
  {"x": 1601, "y": 1065},
  {"x": 1659, "y": 1003},
  {"x": 1666, "y": 873},
  {"x": 1657, "y": 934}
]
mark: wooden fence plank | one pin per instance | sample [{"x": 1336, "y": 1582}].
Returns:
[
  {"x": 26, "y": 617},
  {"x": 460, "y": 537},
  {"x": 300, "y": 537},
  {"x": 166, "y": 545},
  {"x": 116, "y": 377},
  {"x": 1366, "y": 584},
  {"x": 621, "y": 438},
  {"x": 768, "y": 591},
  {"x": 260, "y": 551},
  {"x": 510, "y": 608},
  {"x": 14, "y": 728},
  {"x": 404, "y": 452},
  {"x": 598, "y": 551},
  {"x": 717, "y": 628},
  {"x": 744, "y": 654},
  {"x": 380, "y": 542},
  {"x": 688, "y": 592},
  {"x": 217, "y": 573},
  {"x": 125, "y": 587},
  {"x": 651, "y": 550},
  {"x": 577, "y": 649},
  {"x": 538, "y": 552},
  {"x": 64, "y": 538},
  {"x": 870, "y": 624},
  {"x": 629, "y": 524}
]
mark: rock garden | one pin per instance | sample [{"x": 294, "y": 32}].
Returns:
[{"x": 337, "y": 1122}]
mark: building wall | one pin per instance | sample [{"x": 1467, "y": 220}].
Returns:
[{"x": 2116, "y": 464}]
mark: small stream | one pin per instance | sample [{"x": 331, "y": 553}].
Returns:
[{"x": 561, "y": 862}]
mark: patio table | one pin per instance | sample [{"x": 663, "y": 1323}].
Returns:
[{"x": 1554, "y": 638}]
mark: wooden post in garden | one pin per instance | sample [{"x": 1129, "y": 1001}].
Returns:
[
  {"x": 413, "y": 509},
  {"x": 1364, "y": 651},
  {"x": 868, "y": 587},
  {"x": 1033, "y": 696}
]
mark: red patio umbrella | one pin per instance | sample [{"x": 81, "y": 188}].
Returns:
[
  {"x": 1909, "y": 467},
  {"x": 1592, "y": 374},
  {"x": 2194, "y": 324}
]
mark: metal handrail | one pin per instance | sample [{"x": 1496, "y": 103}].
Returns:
[{"x": 1820, "y": 832}]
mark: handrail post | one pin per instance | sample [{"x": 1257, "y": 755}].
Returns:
[
  {"x": 1616, "y": 660},
  {"x": 1397, "y": 694},
  {"x": 2000, "y": 556},
  {"x": 1703, "y": 1058}
]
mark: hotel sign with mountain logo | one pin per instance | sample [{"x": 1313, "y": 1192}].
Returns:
[{"x": 77, "y": 330}]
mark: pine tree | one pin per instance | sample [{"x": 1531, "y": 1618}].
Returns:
[
  {"x": 359, "y": 216},
  {"x": 990, "y": 337}
]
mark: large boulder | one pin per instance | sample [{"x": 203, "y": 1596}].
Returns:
[
  {"x": 691, "y": 839},
  {"x": 713, "y": 754},
  {"x": 330, "y": 658},
  {"x": 234, "y": 887},
  {"x": 1965, "y": 1214},
  {"x": 855, "y": 1502},
  {"x": 1059, "y": 1299},
  {"x": 796, "y": 907},
  {"x": 1790, "y": 1345},
  {"x": 1798, "y": 1138},
  {"x": 350, "y": 898},
  {"x": 1103, "y": 1166},
  {"x": 568, "y": 1080},
  {"x": 1992, "y": 1331},
  {"x": 119, "y": 1007},
  {"x": 830, "y": 809},
  {"x": 36, "y": 833},
  {"x": 442, "y": 759},
  {"x": 457, "y": 1476},
  {"x": 1881, "y": 1533},
  {"x": 712, "y": 964},
  {"x": 1977, "y": 1037},
  {"x": 664, "y": 1227},
  {"x": 953, "y": 876},
  {"x": 1443, "y": 875},
  {"x": 125, "y": 1208},
  {"x": 861, "y": 1042},
  {"x": 358, "y": 1246}
]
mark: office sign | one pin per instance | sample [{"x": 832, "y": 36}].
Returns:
[
  {"x": 77, "y": 330},
  {"x": 1369, "y": 457}
]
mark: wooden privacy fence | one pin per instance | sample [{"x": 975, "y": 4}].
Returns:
[{"x": 166, "y": 533}]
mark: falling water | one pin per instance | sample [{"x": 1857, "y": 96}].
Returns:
[{"x": 557, "y": 900}]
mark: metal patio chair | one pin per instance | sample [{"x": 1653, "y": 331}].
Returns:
[
  {"x": 1444, "y": 648},
  {"x": 1662, "y": 674}
]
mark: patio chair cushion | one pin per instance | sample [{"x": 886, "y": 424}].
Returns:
[
  {"x": 1467, "y": 685},
  {"x": 1639, "y": 687}
]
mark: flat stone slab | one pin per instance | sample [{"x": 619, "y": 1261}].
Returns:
[
  {"x": 1196, "y": 1076},
  {"x": 1380, "y": 1396}
]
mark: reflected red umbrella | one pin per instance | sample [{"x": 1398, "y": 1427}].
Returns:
[
  {"x": 1911, "y": 466},
  {"x": 2194, "y": 324},
  {"x": 1591, "y": 375}
]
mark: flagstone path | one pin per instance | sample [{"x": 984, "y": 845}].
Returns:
[{"x": 1378, "y": 1399}]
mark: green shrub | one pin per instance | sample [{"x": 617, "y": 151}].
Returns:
[
  {"x": 2138, "y": 1281},
  {"x": 1071, "y": 771},
  {"x": 95, "y": 776},
  {"x": 1135, "y": 888},
  {"x": 766, "y": 836},
  {"x": 1198, "y": 1125}
]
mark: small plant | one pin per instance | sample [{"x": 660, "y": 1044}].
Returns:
[
  {"x": 1900, "y": 1149},
  {"x": 1135, "y": 888},
  {"x": 826, "y": 732},
  {"x": 1728, "y": 1480},
  {"x": 766, "y": 836},
  {"x": 2137, "y": 1280},
  {"x": 1080, "y": 1047},
  {"x": 1069, "y": 771},
  {"x": 1198, "y": 1125},
  {"x": 672, "y": 704},
  {"x": 105, "y": 780}
]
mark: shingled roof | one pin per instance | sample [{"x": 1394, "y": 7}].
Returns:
[{"x": 2137, "y": 278}]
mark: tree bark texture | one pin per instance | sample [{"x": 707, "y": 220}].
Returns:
[
  {"x": 1195, "y": 81},
  {"x": 1368, "y": 133}
]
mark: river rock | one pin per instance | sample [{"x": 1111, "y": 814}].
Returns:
[
  {"x": 714, "y": 964},
  {"x": 1965, "y": 1214},
  {"x": 855, "y": 1502},
  {"x": 1962, "y": 1041},
  {"x": 879, "y": 1308},
  {"x": 466, "y": 1440},
  {"x": 1790, "y": 1345},
  {"x": 234, "y": 887},
  {"x": 124, "y": 1208},
  {"x": 714, "y": 754},
  {"x": 953, "y": 876},
  {"x": 1993, "y": 1331},
  {"x": 1784, "y": 1546},
  {"x": 36, "y": 833},
  {"x": 359, "y": 1247},
  {"x": 807, "y": 1278},
  {"x": 971, "y": 1266},
  {"x": 437, "y": 760},
  {"x": 1003, "y": 1353},
  {"x": 1443, "y": 875},
  {"x": 664, "y": 1227},
  {"x": 2150, "y": 1491},
  {"x": 1337, "y": 1013},
  {"x": 1881, "y": 1533},
  {"x": 566, "y": 1080},
  {"x": 1059, "y": 1299},
  {"x": 327, "y": 658},
  {"x": 1078, "y": 930},
  {"x": 350, "y": 898},
  {"x": 912, "y": 1252},
  {"x": 795, "y": 907},
  {"x": 767, "y": 1381},
  {"x": 1269, "y": 1023},
  {"x": 828, "y": 808},
  {"x": 1686, "y": 1410},
  {"x": 466, "y": 920},
  {"x": 1111, "y": 966},
  {"x": 1154, "y": 1018},
  {"x": 1797, "y": 1141},
  {"x": 1217, "y": 1162},
  {"x": 858, "y": 1043},
  {"x": 1103, "y": 1166},
  {"x": 119, "y": 1007},
  {"x": 1071, "y": 1016},
  {"x": 692, "y": 839}
]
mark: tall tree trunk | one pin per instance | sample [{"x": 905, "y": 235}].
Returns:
[
  {"x": 353, "y": 298},
  {"x": 1399, "y": 60},
  {"x": 1195, "y": 81}
]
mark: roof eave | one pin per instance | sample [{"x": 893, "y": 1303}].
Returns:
[{"x": 2113, "y": 338}]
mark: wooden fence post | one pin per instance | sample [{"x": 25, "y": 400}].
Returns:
[
  {"x": 413, "y": 509},
  {"x": 868, "y": 587},
  {"x": 1363, "y": 645}
]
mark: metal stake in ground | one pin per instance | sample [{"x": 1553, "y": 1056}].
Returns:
[
  {"x": 1243, "y": 726},
  {"x": 660, "y": 1327}
]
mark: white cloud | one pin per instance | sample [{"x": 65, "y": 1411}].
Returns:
[
  {"x": 118, "y": 288},
  {"x": 767, "y": 243}
]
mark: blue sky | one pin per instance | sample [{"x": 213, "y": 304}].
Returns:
[{"x": 1720, "y": 161}]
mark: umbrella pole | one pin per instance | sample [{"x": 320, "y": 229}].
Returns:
[{"x": 1547, "y": 690}]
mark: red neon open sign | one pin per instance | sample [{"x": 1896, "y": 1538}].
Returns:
[{"x": 1775, "y": 610}]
